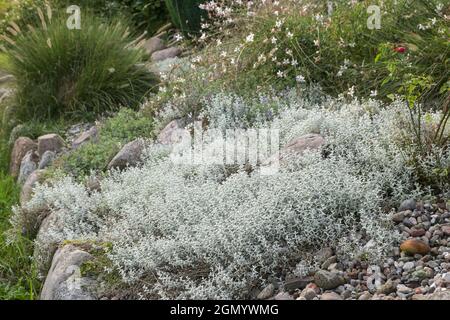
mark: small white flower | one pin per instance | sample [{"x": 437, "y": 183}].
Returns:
[
  {"x": 178, "y": 37},
  {"x": 250, "y": 38},
  {"x": 373, "y": 93},
  {"x": 300, "y": 79}
]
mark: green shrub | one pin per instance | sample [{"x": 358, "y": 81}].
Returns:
[
  {"x": 126, "y": 126},
  {"x": 76, "y": 73},
  {"x": 338, "y": 52},
  {"x": 186, "y": 14}
]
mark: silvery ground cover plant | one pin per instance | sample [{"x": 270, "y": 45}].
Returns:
[{"x": 226, "y": 150}]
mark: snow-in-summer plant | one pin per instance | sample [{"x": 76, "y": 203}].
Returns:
[{"x": 193, "y": 231}]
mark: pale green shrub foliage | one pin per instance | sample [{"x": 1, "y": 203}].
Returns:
[{"x": 192, "y": 232}]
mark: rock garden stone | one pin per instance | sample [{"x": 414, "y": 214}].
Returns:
[
  {"x": 328, "y": 280},
  {"x": 300, "y": 145},
  {"x": 153, "y": 44},
  {"x": 21, "y": 147},
  {"x": 283, "y": 296},
  {"x": 297, "y": 283},
  {"x": 50, "y": 142},
  {"x": 330, "y": 296},
  {"x": 173, "y": 133},
  {"x": 164, "y": 54},
  {"x": 64, "y": 280},
  {"x": 47, "y": 159},
  {"x": 86, "y": 136},
  {"x": 409, "y": 204},
  {"x": 130, "y": 155},
  {"x": 45, "y": 244},
  {"x": 267, "y": 292},
  {"x": 414, "y": 246},
  {"x": 27, "y": 166},
  {"x": 27, "y": 189}
]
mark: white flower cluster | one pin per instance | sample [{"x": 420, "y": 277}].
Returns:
[{"x": 193, "y": 232}]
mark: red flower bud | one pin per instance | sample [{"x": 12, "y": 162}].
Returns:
[{"x": 400, "y": 49}]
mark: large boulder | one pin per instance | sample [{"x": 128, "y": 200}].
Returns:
[
  {"x": 299, "y": 145},
  {"x": 28, "y": 165},
  {"x": 164, "y": 54},
  {"x": 50, "y": 142},
  {"x": 173, "y": 133},
  {"x": 21, "y": 147},
  {"x": 153, "y": 44},
  {"x": 296, "y": 147},
  {"x": 130, "y": 155},
  {"x": 64, "y": 280}
]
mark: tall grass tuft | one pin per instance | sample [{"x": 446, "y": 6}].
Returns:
[{"x": 64, "y": 73}]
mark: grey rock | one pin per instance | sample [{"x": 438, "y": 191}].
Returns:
[
  {"x": 283, "y": 296},
  {"x": 173, "y": 133},
  {"x": 297, "y": 283},
  {"x": 308, "y": 294},
  {"x": 50, "y": 142},
  {"x": 365, "y": 296},
  {"x": 129, "y": 155},
  {"x": 267, "y": 292},
  {"x": 64, "y": 280},
  {"x": 323, "y": 254},
  {"x": 409, "y": 204},
  {"x": 408, "y": 266},
  {"x": 300, "y": 145},
  {"x": 401, "y": 288},
  {"x": 22, "y": 146},
  {"x": 438, "y": 295},
  {"x": 330, "y": 296},
  {"x": 164, "y": 54},
  {"x": 329, "y": 262},
  {"x": 328, "y": 280},
  {"x": 153, "y": 44},
  {"x": 27, "y": 166},
  {"x": 86, "y": 136},
  {"x": 387, "y": 288},
  {"x": 27, "y": 189},
  {"x": 47, "y": 159},
  {"x": 45, "y": 244},
  {"x": 398, "y": 217}
]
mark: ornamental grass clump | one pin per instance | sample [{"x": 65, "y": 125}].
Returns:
[
  {"x": 71, "y": 73},
  {"x": 186, "y": 231}
]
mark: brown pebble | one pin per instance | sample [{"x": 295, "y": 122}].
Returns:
[{"x": 413, "y": 246}]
